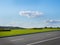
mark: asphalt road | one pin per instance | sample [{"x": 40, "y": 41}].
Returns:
[
  {"x": 48, "y": 38},
  {"x": 50, "y": 42}
]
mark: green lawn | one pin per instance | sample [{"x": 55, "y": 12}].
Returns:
[{"x": 24, "y": 31}]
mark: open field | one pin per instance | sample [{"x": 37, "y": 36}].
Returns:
[{"x": 25, "y": 31}]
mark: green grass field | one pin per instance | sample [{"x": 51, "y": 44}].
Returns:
[{"x": 25, "y": 31}]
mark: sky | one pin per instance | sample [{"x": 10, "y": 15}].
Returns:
[{"x": 30, "y": 13}]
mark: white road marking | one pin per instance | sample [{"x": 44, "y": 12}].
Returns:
[
  {"x": 17, "y": 39},
  {"x": 43, "y": 41}
]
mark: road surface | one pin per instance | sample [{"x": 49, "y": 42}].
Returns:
[{"x": 47, "y": 38}]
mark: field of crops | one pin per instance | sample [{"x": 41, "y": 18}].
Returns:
[{"x": 25, "y": 31}]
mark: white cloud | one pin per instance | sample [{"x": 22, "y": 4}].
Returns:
[
  {"x": 30, "y": 13},
  {"x": 53, "y": 21}
]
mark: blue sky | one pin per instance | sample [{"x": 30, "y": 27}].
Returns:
[{"x": 10, "y": 9}]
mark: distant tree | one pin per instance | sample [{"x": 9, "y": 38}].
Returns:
[
  {"x": 37, "y": 28},
  {"x": 58, "y": 27},
  {"x": 45, "y": 27}
]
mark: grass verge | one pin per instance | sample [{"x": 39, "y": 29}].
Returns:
[{"x": 25, "y": 31}]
